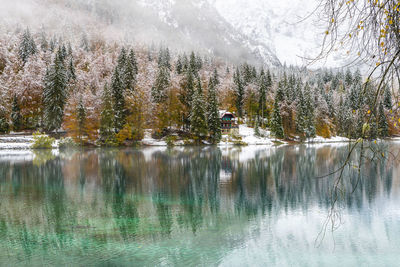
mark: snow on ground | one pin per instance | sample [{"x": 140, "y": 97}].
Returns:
[
  {"x": 16, "y": 142},
  {"x": 333, "y": 139},
  {"x": 19, "y": 142},
  {"x": 149, "y": 141},
  {"x": 248, "y": 137}
]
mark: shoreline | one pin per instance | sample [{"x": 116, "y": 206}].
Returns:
[
  {"x": 24, "y": 142},
  {"x": 246, "y": 137}
]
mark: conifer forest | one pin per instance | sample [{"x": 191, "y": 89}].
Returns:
[{"x": 103, "y": 93}]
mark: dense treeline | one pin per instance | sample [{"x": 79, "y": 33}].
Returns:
[{"x": 109, "y": 94}]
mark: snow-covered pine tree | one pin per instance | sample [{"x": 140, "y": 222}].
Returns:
[
  {"x": 357, "y": 79},
  {"x": 63, "y": 52},
  {"x": 276, "y": 121},
  {"x": 215, "y": 78},
  {"x": 44, "y": 45},
  {"x": 213, "y": 119},
  {"x": 348, "y": 79},
  {"x": 383, "y": 128},
  {"x": 310, "y": 110},
  {"x": 130, "y": 71},
  {"x": 4, "y": 124},
  {"x": 329, "y": 101},
  {"x": 52, "y": 44},
  {"x": 117, "y": 92},
  {"x": 239, "y": 92},
  {"x": 121, "y": 65},
  {"x": 198, "y": 121},
  {"x": 167, "y": 59},
  {"x": 55, "y": 93},
  {"x": 185, "y": 96},
  {"x": 179, "y": 65},
  {"x": 164, "y": 59},
  {"x": 193, "y": 64},
  {"x": 262, "y": 99},
  {"x": 107, "y": 132},
  {"x": 199, "y": 63},
  {"x": 69, "y": 50},
  {"x": 159, "y": 91},
  {"x": 341, "y": 118},
  {"x": 27, "y": 46},
  {"x": 71, "y": 71},
  {"x": 16, "y": 117},
  {"x": 301, "y": 116},
  {"x": 81, "y": 119},
  {"x": 387, "y": 99},
  {"x": 185, "y": 62}
]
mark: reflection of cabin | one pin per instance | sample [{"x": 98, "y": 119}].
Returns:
[{"x": 228, "y": 122}]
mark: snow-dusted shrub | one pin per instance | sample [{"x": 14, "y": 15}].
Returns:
[
  {"x": 42, "y": 141},
  {"x": 67, "y": 142}
]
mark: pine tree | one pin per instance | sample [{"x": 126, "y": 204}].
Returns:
[
  {"x": 239, "y": 92},
  {"x": 348, "y": 79},
  {"x": 117, "y": 91},
  {"x": 309, "y": 111},
  {"x": 193, "y": 63},
  {"x": 71, "y": 71},
  {"x": 186, "y": 95},
  {"x": 69, "y": 52},
  {"x": 63, "y": 52},
  {"x": 27, "y": 46},
  {"x": 55, "y": 94},
  {"x": 199, "y": 63},
  {"x": 107, "y": 132},
  {"x": 179, "y": 66},
  {"x": 301, "y": 117},
  {"x": 121, "y": 65},
  {"x": 276, "y": 122},
  {"x": 198, "y": 121},
  {"x": 52, "y": 44},
  {"x": 164, "y": 59},
  {"x": 213, "y": 119},
  {"x": 215, "y": 78},
  {"x": 4, "y": 125},
  {"x": 81, "y": 119},
  {"x": 159, "y": 91},
  {"x": 16, "y": 117},
  {"x": 383, "y": 128},
  {"x": 44, "y": 45},
  {"x": 262, "y": 98},
  {"x": 357, "y": 79},
  {"x": 130, "y": 71},
  {"x": 167, "y": 59},
  {"x": 387, "y": 100}
]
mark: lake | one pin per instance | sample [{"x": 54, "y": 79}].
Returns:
[{"x": 204, "y": 206}]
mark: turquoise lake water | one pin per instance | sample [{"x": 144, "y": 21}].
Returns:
[{"x": 209, "y": 206}]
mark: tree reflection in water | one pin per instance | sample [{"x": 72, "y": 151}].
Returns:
[{"x": 79, "y": 203}]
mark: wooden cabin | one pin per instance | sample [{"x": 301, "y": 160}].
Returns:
[{"x": 228, "y": 122}]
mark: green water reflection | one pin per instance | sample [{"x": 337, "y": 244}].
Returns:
[{"x": 249, "y": 206}]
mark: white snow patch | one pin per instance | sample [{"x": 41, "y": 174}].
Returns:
[
  {"x": 149, "y": 141},
  {"x": 19, "y": 142},
  {"x": 248, "y": 136},
  {"x": 333, "y": 139}
]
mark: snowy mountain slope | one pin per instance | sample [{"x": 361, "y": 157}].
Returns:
[
  {"x": 180, "y": 24},
  {"x": 280, "y": 26}
]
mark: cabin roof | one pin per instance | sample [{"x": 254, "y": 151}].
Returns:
[{"x": 223, "y": 113}]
